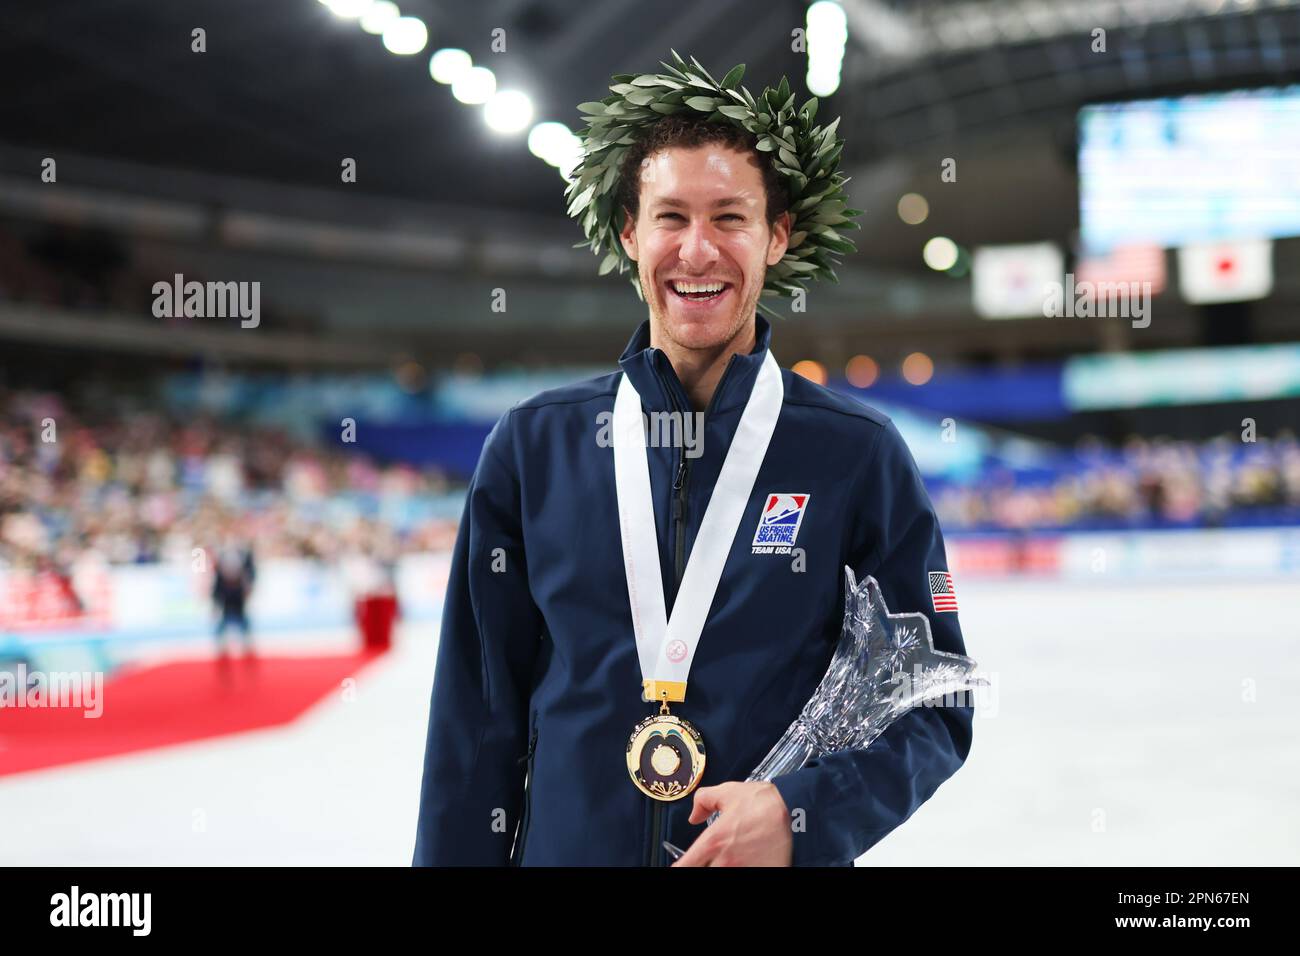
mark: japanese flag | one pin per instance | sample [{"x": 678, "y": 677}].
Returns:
[{"x": 1226, "y": 271}]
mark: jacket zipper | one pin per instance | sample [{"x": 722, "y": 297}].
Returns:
[
  {"x": 657, "y": 820},
  {"x": 518, "y": 854}
]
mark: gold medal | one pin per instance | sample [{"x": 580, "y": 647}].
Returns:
[{"x": 665, "y": 756}]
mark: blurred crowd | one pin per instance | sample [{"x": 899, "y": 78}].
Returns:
[
  {"x": 1146, "y": 483},
  {"x": 140, "y": 487},
  {"x": 137, "y": 487}
]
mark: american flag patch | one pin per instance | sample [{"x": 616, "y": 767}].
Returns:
[{"x": 941, "y": 592}]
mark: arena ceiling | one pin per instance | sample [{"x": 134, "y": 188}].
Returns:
[{"x": 286, "y": 90}]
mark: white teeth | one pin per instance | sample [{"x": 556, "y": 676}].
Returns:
[{"x": 698, "y": 286}]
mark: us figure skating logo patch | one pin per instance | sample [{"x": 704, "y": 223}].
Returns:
[{"x": 778, "y": 524}]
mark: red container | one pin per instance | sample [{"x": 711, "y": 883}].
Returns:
[{"x": 375, "y": 616}]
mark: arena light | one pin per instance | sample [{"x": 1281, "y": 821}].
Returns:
[
  {"x": 406, "y": 36},
  {"x": 822, "y": 82},
  {"x": 861, "y": 371},
  {"x": 826, "y": 19},
  {"x": 475, "y": 85},
  {"x": 508, "y": 111},
  {"x": 381, "y": 13},
  {"x": 913, "y": 208},
  {"x": 556, "y": 144},
  {"x": 569, "y": 163},
  {"x": 940, "y": 253},
  {"x": 348, "y": 9},
  {"x": 962, "y": 267},
  {"x": 548, "y": 140},
  {"x": 827, "y": 33},
  {"x": 918, "y": 368},
  {"x": 449, "y": 64},
  {"x": 810, "y": 369}
]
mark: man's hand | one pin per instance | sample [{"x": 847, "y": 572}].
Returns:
[{"x": 753, "y": 830}]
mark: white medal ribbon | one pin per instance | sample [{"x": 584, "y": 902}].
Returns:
[{"x": 666, "y": 646}]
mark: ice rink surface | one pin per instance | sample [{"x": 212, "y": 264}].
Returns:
[{"x": 1125, "y": 724}]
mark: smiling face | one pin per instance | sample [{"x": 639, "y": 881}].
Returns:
[{"x": 702, "y": 243}]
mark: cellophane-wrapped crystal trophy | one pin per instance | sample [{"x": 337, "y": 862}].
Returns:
[{"x": 884, "y": 665}]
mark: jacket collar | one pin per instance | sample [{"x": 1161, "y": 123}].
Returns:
[{"x": 661, "y": 390}]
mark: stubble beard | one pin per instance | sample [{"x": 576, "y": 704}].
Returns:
[{"x": 661, "y": 323}]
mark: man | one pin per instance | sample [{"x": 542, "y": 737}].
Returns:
[
  {"x": 543, "y": 668},
  {"x": 232, "y": 585}
]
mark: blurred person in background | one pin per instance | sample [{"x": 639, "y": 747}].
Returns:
[{"x": 232, "y": 585}]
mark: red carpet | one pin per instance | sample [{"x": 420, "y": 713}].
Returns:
[{"x": 171, "y": 704}]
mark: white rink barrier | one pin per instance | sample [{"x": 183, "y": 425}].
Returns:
[
  {"x": 1133, "y": 555},
  {"x": 173, "y": 600},
  {"x": 140, "y": 602}
]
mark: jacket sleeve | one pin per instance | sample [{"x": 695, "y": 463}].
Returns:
[
  {"x": 472, "y": 788},
  {"x": 853, "y": 799}
]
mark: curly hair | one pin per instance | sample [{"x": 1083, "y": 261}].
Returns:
[{"x": 689, "y": 132}]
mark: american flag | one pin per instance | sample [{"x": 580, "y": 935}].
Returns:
[
  {"x": 941, "y": 592},
  {"x": 1129, "y": 264}
]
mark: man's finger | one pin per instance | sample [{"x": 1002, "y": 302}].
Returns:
[
  {"x": 702, "y": 851},
  {"x": 707, "y": 800}
]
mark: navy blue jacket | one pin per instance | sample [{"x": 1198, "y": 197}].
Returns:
[{"x": 537, "y": 675}]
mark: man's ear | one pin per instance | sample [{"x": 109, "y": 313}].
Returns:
[
  {"x": 628, "y": 234},
  {"x": 780, "y": 240}
]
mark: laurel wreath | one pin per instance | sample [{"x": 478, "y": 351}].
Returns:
[{"x": 807, "y": 155}]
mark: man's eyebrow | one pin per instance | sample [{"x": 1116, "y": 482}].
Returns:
[{"x": 724, "y": 201}]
